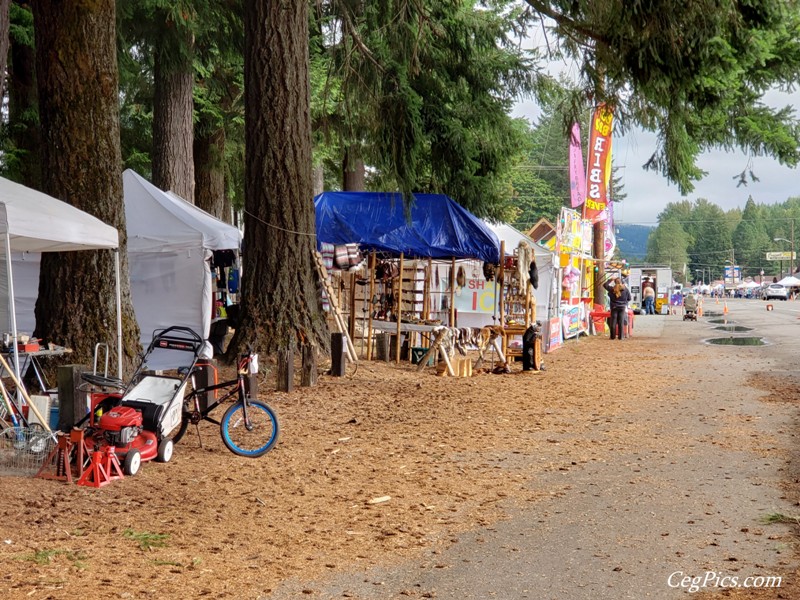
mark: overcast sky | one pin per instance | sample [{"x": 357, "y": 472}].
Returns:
[{"x": 648, "y": 193}]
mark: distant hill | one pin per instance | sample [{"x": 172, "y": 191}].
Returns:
[{"x": 632, "y": 241}]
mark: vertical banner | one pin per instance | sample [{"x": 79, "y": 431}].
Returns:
[
  {"x": 599, "y": 164},
  {"x": 611, "y": 238},
  {"x": 577, "y": 174}
]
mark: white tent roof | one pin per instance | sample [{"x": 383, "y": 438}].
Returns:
[
  {"x": 159, "y": 221},
  {"x": 37, "y": 222},
  {"x": 513, "y": 236},
  {"x": 790, "y": 281}
]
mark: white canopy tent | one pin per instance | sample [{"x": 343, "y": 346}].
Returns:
[
  {"x": 170, "y": 242},
  {"x": 790, "y": 281},
  {"x": 33, "y": 222},
  {"x": 483, "y": 314}
]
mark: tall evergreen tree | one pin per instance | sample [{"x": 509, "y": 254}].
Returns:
[
  {"x": 76, "y": 67},
  {"x": 164, "y": 34},
  {"x": 422, "y": 93},
  {"x": 751, "y": 239},
  {"x": 281, "y": 303},
  {"x": 694, "y": 72},
  {"x": 20, "y": 156},
  {"x": 668, "y": 244}
]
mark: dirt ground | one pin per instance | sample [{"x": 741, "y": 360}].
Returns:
[{"x": 210, "y": 524}]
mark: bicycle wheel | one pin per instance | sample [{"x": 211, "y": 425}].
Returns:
[{"x": 254, "y": 440}]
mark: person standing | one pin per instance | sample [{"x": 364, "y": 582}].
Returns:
[
  {"x": 619, "y": 296},
  {"x": 649, "y": 297}
]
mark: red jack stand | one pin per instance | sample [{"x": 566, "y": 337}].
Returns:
[
  {"x": 56, "y": 465},
  {"x": 68, "y": 459},
  {"x": 103, "y": 469}
]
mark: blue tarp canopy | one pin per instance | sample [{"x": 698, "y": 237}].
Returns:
[{"x": 439, "y": 228}]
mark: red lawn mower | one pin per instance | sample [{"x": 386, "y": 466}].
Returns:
[{"x": 137, "y": 422}]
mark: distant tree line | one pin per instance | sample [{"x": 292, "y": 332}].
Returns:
[{"x": 696, "y": 236}]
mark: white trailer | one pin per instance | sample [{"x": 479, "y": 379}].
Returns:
[{"x": 662, "y": 283}]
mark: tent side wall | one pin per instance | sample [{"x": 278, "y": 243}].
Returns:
[{"x": 171, "y": 288}]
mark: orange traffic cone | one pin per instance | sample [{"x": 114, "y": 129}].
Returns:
[{"x": 725, "y": 308}]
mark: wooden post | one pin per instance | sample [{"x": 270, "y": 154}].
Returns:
[
  {"x": 338, "y": 362},
  {"x": 501, "y": 271},
  {"x": 399, "y": 310},
  {"x": 71, "y": 401},
  {"x": 372, "y": 259},
  {"x": 426, "y": 292},
  {"x": 285, "y": 371},
  {"x": 308, "y": 376},
  {"x": 529, "y": 306},
  {"x": 452, "y": 322},
  {"x": 351, "y": 329}
]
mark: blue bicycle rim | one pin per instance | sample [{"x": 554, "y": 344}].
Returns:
[{"x": 251, "y": 407}]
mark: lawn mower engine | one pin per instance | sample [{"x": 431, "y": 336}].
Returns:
[{"x": 121, "y": 425}]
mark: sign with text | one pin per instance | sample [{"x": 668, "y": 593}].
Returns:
[
  {"x": 781, "y": 255},
  {"x": 599, "y": 159},
  {"x": 554, "y": 339},
  {"x": 733, "y": 274}
]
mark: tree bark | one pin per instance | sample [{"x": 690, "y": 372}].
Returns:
[
  {"x": 76, "y": 67},
  {"x": 23, "y": 112},
  {"x": 318, "y": 177},
  {"x": 173, "y": 166},
  {"x": 352, "y": 171},
  {"x": 281, "y": 293},
  {"x": 4, "y": 43},
  {"x": 209, "y": 173}
]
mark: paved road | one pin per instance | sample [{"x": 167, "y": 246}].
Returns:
[{"x": 622, "y": 525}]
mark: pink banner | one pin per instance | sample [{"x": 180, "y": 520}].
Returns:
[{"x": 577, "y": 174}]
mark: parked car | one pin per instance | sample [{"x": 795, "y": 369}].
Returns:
[{"x": 776, "y": 291}]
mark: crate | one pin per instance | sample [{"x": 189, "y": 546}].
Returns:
[{"x": 417, "y": 353}]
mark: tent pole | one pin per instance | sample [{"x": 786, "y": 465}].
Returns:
[
  {"x": 119, "y": 314},
  {"x": 12, "y": 306},
  {"x": 453, "y": 292},
  {"x": 371, "y": 296},
  {"x": 500, "y": 282},
  {"x": 399, "y": 311},
  {"x": 426, "y": 292}
]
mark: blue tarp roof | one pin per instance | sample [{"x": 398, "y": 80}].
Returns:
[{"x": 439, "y": 228}]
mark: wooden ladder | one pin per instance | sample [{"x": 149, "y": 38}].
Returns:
[{"x": 334, "y": 303}]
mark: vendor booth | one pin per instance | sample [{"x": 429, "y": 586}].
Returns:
[
  {"x": 478, "y": 304},
  {"x": 413, "y": 254},
  {"x": 30, "y": 223},
  {"x": 171, "y": 244}
]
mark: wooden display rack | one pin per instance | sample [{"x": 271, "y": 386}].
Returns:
[{"x": 517, "y": 306}]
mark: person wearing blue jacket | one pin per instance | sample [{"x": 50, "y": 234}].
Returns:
[{"x": 619, "y": 296}]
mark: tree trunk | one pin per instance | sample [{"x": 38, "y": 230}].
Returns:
[
  {"x": 173, "y": 166},
  {"x": 209, "y": 172},
  {"x": 23, "y": 115},
  {"x": 318, "y": 177},
  {"x": 4, "y": 42},
  {"x": 352, "y": 171},
  {"x": 76, "y": 67},
  {"x": 281, "y": 293}
]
